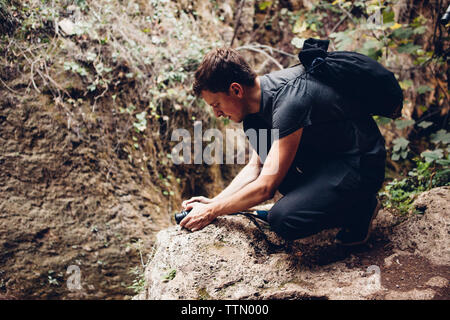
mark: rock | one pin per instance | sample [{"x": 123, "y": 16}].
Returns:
[
  {"x": 438, "y": 282},
  {"x": 234, "y": 259},
  {"x": 428, "y": 234}
]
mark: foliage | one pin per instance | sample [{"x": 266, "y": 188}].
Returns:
[
  {"x": 432, "y": 170},
  {"x": 398, "y": 195},
  {"x": 139, "y": 282}
]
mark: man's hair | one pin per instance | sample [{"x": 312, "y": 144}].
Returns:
[{"x": 219, "y": 69}]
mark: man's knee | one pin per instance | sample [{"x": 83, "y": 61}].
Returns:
[
  {"x": 292, "y": 225},
  {"x": 276, "y": 221}
]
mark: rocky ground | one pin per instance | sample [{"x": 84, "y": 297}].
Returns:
[{"x": 406, "y": 258}]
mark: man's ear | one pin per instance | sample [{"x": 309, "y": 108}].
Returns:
[{"x": 236, "y": 90}]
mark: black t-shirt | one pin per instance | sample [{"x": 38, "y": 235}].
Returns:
[{"x": 291, "y": 100}]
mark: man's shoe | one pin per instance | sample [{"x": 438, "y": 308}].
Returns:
[{"x": 358, "y": 235}]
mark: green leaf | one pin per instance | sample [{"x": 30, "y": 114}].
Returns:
[
  {"x": 425, "y": 124},
  {"x": 343, "y": 40},
  {"x": 140, "y": 126},
  {"x": 372, "y": 48},
  {"x": 402, "y": 124},
  {"x": 297, "y": 42},
  {"x": 388, "y": 16},
  {"x": 400, "y": 143},
  {"x": 90, "y": 56},
  {"x": 405, "y": 84},
  {"x": 442, "y": 136},
  {"x": 420, "y": 30},
  {"x": 409, "y": 48},
  {"x": 264, "y": 5},
  {"x": 170, "y": 276},
  {"x": 300, "y": 26},
  {"x": 141, "y": 116},
  {"x": 402, "y": 33},
  {"x": 131, "y": 108},
  {"x": 423, "y": 89},
  {"x": 443, "y": 162},
  {"x": 382, "y": 120},
  {"x": 431, "y": 156}
]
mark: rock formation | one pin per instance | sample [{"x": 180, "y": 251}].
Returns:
[{"x": 235, "y": 259}]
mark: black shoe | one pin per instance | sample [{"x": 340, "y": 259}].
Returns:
[{"x": 359, "y": 234}]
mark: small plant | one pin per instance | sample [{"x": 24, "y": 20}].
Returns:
[
  {"x": 170, "y": 275},
  {"x": 141, "y": 122},
  {"x": 139, "y": 282},
  {"x": 51, "y": 279},
  {"x": 429, "y": 172},
  {"x": 75, "y": 68}
]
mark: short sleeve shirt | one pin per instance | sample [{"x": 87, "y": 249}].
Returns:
[{"x": 291, "y": 100}]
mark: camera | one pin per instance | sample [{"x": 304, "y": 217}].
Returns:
[{"x": 180, "y": 216}]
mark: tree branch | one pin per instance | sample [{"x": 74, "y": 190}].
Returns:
[{"x": 237, "y": 22}]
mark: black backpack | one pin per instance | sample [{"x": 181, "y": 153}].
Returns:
[{"x": 362, "y": 80}]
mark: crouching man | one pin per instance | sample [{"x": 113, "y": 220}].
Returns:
[{"x": 327, "y": 165}]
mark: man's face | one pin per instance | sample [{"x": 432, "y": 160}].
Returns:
[{"x": 226, "y": 105}]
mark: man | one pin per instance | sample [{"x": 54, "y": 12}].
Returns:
[{"x": 327, "y": 164}]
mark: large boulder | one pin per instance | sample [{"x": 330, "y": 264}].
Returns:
[{"x": 234, "y": 258}]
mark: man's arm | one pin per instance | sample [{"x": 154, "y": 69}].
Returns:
[
  {"x": 248, "y": 174},
  {"x": 277, "y": 164}
]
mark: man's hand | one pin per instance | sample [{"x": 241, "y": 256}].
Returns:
[
  {"x": 188, "y": 204},
  {"x": 199, "y": 217}
]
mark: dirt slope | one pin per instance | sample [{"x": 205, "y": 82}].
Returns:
[{"x": 58, "y": 208}]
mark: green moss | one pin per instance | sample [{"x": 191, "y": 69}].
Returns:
[{"x": 202, "y": 294}]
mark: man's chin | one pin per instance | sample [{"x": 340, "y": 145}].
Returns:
[{"x": 236, "y": 120}]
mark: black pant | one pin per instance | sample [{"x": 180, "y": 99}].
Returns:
[{"x": 328, "y": 194}]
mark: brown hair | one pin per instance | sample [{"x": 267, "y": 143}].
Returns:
[{"x": 219, "y": 69}]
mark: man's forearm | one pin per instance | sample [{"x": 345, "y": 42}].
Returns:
[
  {"x": 247, "y": 175},
  {"x": 250, "y": 195}
]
